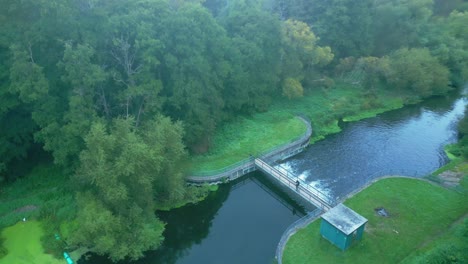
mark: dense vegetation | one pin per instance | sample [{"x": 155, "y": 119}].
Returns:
[{"x": 119, "y": 93}]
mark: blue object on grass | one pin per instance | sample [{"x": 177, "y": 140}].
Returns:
[{"x": 67, "y": 258}]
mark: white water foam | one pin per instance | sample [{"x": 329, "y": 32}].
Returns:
[{"x": 320, "y": 185}]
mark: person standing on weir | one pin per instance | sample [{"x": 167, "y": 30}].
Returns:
[{"x": 297, "y": 184}]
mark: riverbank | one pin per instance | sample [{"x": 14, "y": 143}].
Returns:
[
  {"x": 418, "y": 211},
  {"x": 260, "y": 132}
]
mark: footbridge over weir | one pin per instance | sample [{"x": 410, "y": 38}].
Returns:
[{"x": 307, "y": 192}]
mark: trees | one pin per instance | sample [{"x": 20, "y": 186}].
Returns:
[
  {"x": 301, "y": 56},
  {"x": 123, "y": 174},
  {"x": 344, "y": 25},
  {"x": 448, "y": 40},
  {"x": 193, "y": 70},
  {"x": 292, "y": 88},
  {"x": 418, "y": 71},
  {"x": 255, "y": 48},
  {"x": 400, "y": 23}
]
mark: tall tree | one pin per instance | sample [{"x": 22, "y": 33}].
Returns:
[
  {"x": 123, "y": 174},
  {"x": 193, "y": 70},
  {"x": 344, "y": 25},
  {"x": 301, "y": 56},
  {"x": 418, "y": 71},
  {"x": 400, "y": 23},
  {"x": 255, "y": 53}
]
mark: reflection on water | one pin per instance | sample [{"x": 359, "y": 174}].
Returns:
[{"x": 406, "y": 142}]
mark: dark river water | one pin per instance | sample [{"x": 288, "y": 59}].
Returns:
[{"x": 243, "y": 221}]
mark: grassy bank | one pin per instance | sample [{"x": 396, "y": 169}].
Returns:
[
  {"x": 260, "y": 132},
  {"x": 451, "y": 247},
  {"x": 419, "y": 212},
  {"x": 45, "y": 195},
  {"x": 23, "y": 244}
]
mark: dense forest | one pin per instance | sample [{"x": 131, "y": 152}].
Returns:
[{"x": 118, "y": 93}]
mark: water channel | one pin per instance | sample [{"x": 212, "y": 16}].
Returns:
[{"x": 243, "y": 221}]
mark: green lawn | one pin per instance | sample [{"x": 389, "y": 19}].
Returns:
[
  {"x": 419, "y": 211},
  {"x": 234, "y": 141},
  {"x": 22, "y": 241},
  {"x": 451, "y": 246},
  {"x": 44, "y": 194}
]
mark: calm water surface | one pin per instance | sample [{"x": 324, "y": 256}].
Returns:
[{"x": 244, "y": 220}]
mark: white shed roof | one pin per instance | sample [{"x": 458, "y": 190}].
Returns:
[{"x": 343, "y": 218}]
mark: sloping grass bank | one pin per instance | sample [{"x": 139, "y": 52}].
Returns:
[
  {"x": 419, "y": 211},
  {"x": 234, "y": 141}
]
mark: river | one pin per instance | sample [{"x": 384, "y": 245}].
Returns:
[{"x": 243, "y": 221}]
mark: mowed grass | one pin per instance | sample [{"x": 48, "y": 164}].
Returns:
[
  {"x": 452, "y": 246},
  {"x": 22, "y": 241},
  {"x": 419, "y": 212},
  {"x": 235, "y": 140}
]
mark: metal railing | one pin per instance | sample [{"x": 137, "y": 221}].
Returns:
[
  {"x": 235, "y": 170},
  {"x": 308, "y": 192},
  {"x": 292, "y": 229},
  {"x": 222, "y": 170},
  {"x": 306, "y": 187}
]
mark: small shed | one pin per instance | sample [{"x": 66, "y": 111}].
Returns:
[{"x": 342, "y": 226}]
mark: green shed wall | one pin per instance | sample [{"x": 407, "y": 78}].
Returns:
[
  {"x": 338, "y": 238},
  {"x": 335, "y": 236}
]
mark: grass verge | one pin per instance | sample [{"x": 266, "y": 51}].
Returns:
[
  {"x": 22, "y": 241},
  {"x": 418, "y": 210},
  {"x": 45, "y": 195},
  {"x": 235, "y": 140},
  {"x": 41, "y": 194},
  {"x": 451, "y": 247}
]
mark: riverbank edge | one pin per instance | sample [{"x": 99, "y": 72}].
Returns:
[
  {"x": 246, "y": 166},
  {"x": 222, "y": 177},
  {"x": 314, "y": 215}
]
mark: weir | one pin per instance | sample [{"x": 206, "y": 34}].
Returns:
[{"x": 307, "y": 192}]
